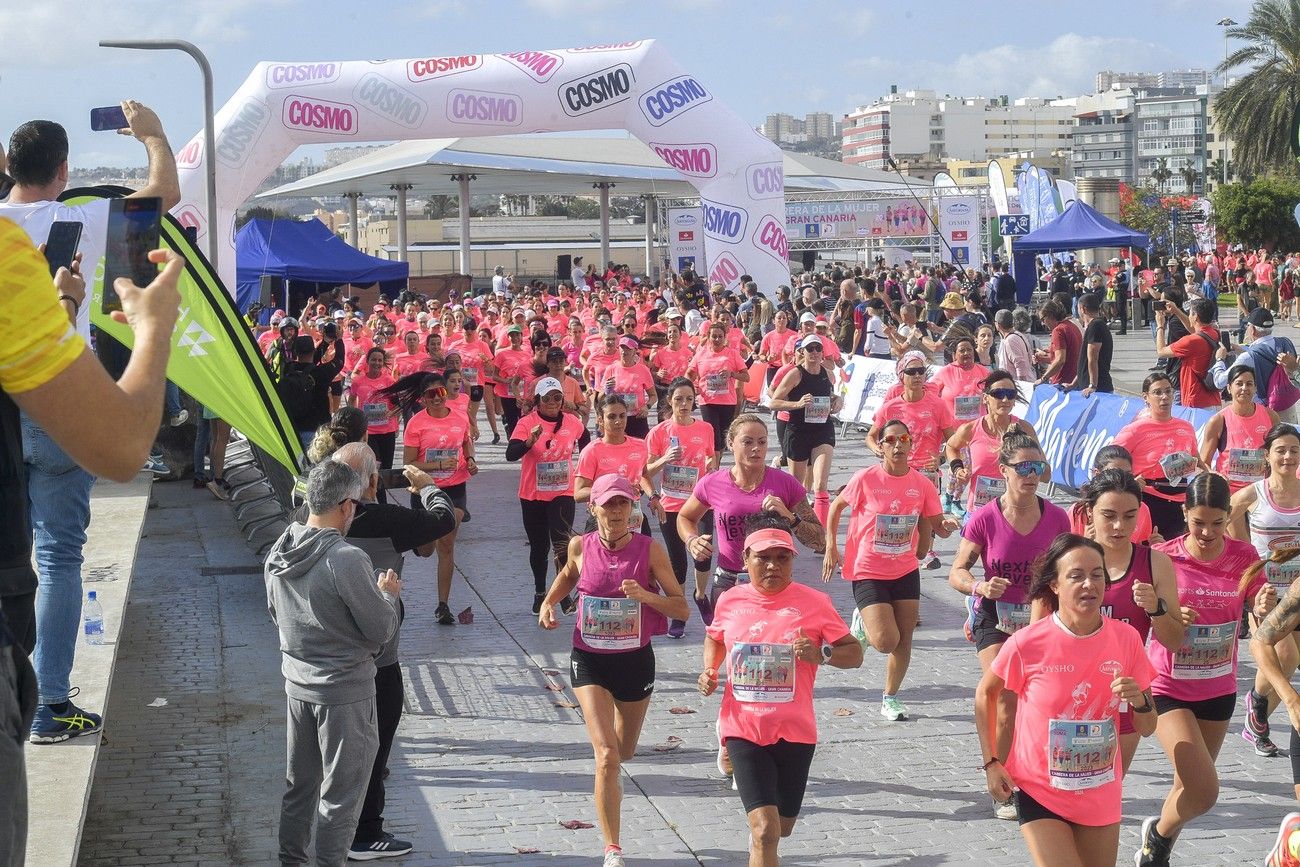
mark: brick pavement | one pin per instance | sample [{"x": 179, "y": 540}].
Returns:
[{"x": 486, "y": 762}]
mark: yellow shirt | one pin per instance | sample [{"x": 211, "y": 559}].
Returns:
[{"x": 38, "y": 341}]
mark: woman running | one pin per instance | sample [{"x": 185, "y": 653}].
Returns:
[
  {"x": 769, "y": 351},
  {"x": 980, "y": 440},
  {"x": 1237, "y": 433},
  {"x": 1071, "y": 676},
  {"x": 1267, "y": 514},
  {"x": 616, "y": 452},
  {"x": 1195, "y": 687},
  {"x": 681, "y": 453},
  {"x": 718, "y": 372},
  {"x": 1164, "y": 454},
  {"x": 630, "y": 379},
  {"x": 1267, "y": 644},
  {"x": 544, "y": 440},
  {"x": 961, "y": 386},
  {"x": 892, "y": 517},
  {"x": 1113, "y": 457},
  {"x": 381, "y": 413},
  {"x": 1006, "y": 535},
  {"x": 771, "y": 635},
  {"x": 808, "y": 395},
  {"x": 625, "y": 589}
]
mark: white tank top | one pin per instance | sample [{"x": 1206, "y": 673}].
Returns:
[{"x": 1272, "y": 527}]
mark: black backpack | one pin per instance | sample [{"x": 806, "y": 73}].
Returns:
[{"x": 296, "y": 389}]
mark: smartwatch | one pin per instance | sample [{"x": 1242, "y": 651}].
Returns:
[
  {"x": 1161, "y": 609},
  {"x": 827, "y": 650}
]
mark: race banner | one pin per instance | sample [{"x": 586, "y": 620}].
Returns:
[
  {"x": 685, "y": 239},
  {"x": 213, "y": 357}
]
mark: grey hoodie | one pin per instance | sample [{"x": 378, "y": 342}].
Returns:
[{"x": 332, "y": 618}]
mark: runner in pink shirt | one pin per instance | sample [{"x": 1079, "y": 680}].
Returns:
[
  {"x": 1195, "y": 687},
  {"x": 893, "y": 513},
  {"x": 770, "y": 637},
  {"x": 412, "y": 359},
  {"x": 631, "y": 380},
  {"x": 719, "y": 373},
  {"x": 771, "y": 348},
  {"x": 1071, "y": 675},
  {"x": 381, "y": 413},
  {"x": 1113, "y": 457},
  {"x": 972, "y": 450},
  {"x": 477, "y": 369},
  {"x": 616, "y": 452},
  {"x": 514, "y": 365},
  {"x": 1236, "y": 433},
  {"x": 926, "y": 415}
]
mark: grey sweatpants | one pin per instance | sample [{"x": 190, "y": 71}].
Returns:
[{"x": 331, "y": 751}]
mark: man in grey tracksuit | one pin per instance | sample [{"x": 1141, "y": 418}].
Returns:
[{"x": 334, "y": 618}]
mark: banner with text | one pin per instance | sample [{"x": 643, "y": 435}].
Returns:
[
  {"x": 959, "y": 223},
  {"x": 685, "y": 239},
  {"x": 885, "y": 218}
]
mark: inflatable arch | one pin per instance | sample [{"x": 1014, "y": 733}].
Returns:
[{"x": 634, "y": 86}]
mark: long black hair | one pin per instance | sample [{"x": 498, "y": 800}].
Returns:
[{"x": 408, "y": 392}]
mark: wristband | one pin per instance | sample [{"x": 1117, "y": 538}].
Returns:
[
  {"x": 975, "y": 591},
  {"x": 956, "y": 465},
  {"x": 76, "y": 305},
  {"x": 993, "y": 761},
  {"x": 1145, "y": 708}
]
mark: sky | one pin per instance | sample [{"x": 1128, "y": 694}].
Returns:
[{"x": 758, "y": 56}]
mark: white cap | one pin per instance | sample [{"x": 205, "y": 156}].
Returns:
[
  {"x": 546, "y": 385},
  {"x": 808, "y": 316}
]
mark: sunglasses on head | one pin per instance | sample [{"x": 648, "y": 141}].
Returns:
[
  {"x": 1025, "y": 469},
  {"x": 435, "y": 391},
  {"x": 914, "y": 371},
  {"x": 896, "y": 439},
  {"x": 1003, "y": 394}
]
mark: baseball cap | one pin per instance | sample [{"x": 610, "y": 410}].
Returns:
[
  {"x": 808, "y": 316},
  {"x": 811, "y": 340},
  {"x": 761, "y": 540},
  {"x": 514, "y": 329},
  {"x": 628, "y": 343},
  {"x": 1261, "y": 317},
  {"x": 673, "y": 313},
  {"x": 555, "y": 353},
  {"x": 338, "y": 314},
  {"x": 546, "y": 385},
  {"x": 277, "y": 317},
  {"x": 552, "y": 302},
  {"x": 821, "y": 322},
  {"x": 379, "y": 308},
  {"x": 609, "y": 486}
]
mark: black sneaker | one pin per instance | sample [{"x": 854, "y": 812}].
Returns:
[
  {"x": 496, "y": 439},
  {"x": 1154, "y": 851},
  {"x": 537, "y": 602},
  {"x": 386, "y": 847},
  {"x": 568, "y": 605},
  {"x": 464, "y": 516},
  {"x": 51, "y": 726},
  {"x": 444, "y": 615}
]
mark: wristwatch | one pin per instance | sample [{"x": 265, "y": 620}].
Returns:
[
  {"x": 1161, "y": 609},
  {"x": 827, "y": 650}
]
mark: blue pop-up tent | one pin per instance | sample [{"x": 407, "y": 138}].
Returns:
[
  {"x": 307, "y": 252},
  {"x": 1079, "y": 228}
]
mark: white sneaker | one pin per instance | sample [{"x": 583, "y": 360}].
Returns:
[
  {"x": 931, "y": 562},
  {"x": 180, "y": 418},
  {"x": 892, "y": 709},
  {"x": 156, "y": 466},
  {"x": 1006, "y": 809},
  {"x": 724, "y": 762},
  {"x": 614, "y": 858}
]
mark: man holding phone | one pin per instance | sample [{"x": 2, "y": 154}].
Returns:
[{"x": 58, "y": 487}]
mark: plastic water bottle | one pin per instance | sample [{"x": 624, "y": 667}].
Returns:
[{"x": 93, "y": 618}]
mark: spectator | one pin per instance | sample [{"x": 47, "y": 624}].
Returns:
[
  {"x": 1273, "y": 360},
  {"x": 304, "y": 387},
  {"x": 1095, "y": 352},
  {"x": 1195, "y": 351},
  {"x": 1062, "y": 354},
  {"x": 1015, "y": 354},
  {"x": 334, "y": 620}
]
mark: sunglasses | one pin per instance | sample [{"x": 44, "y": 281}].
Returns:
[
  {"x": 436, "y": 391},
  {"x": 914, "y": 371},
  {"x": 1025, "y": 469},
  {"x": 897, "y": 439},
  {"x": 1003, "y": 394},
  {"x": 814, "y": 347}
]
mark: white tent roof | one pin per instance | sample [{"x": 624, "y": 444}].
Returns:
[{"x": 550, "y": 165}]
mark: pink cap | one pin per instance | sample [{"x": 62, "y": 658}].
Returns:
[
  {"x": 761, "y": 540},
  {"x": 628, "y": 343},
  {"x": 609, "y": 486}
]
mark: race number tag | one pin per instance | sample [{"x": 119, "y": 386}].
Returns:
[
  {"x": 968, "y": 408},
  {"x": 634, "y": 520},
  {"x": 1206, "y": 652},
  {"x": 1011, "y": 616},
  {"x": 376, "y": 413},
  {"x": 553, "y": 476},
  {"x": 630, "y": 401},
  {"x": 679, "y": 480},
  {"x": 1081, "y": 753},
  {"x": 987, "y": 489},
  {"x": 717, "y": 384},
  {"x": 1179, "y": 468},
  {"x": 1246, "y": 465},
  {"x": 1281, "y": 575},
  {"x": 762, "y": 673},
  {"x": 610, "y": 624},
  {"x": 470, "y": 376},
  {"x": 818, "y": 411},
  {"x": 894, "y": 534},
  {"x": 444, "y": 462}
]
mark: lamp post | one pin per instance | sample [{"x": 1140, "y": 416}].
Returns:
[
  {"x": 209, "y": 134},
  {"x": 1225, "y": 23}
]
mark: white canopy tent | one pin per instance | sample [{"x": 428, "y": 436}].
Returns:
[{"x": 544, "y": 165}]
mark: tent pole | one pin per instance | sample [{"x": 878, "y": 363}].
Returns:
[
  {"x": 604, "y": 187},
  {"x": 649, "y": 236},
  {"x": 401, "y": 219},
  {"x": 464, "y": 220},
  {"x": 354, "y": 232}
]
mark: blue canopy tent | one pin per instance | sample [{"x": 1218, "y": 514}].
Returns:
[
  {"x": 306, "y": 252},
  {"x": 1079, "y": 228}
]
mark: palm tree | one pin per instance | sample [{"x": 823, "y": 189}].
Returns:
[
  {"x": 1256, "y": 111},
  {"x": 1161, "y": 173},
  {"x": 1190, "y": 177}
]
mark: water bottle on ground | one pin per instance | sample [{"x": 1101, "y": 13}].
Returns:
[{"x": 93, "y": 618}]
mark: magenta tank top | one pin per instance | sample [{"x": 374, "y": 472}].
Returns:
[
  {"x": 609, "y": 622},
  {"x": 1118, "y": 602}
]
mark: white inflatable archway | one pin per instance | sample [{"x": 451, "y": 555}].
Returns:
[{"x": 633, "y": 85}]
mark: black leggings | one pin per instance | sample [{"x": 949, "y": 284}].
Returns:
[
  {"x": 676, "y": 546},
  {"x": 719, "y": 415},
  {"x": 1166, "y": 515},
  {"x": 548, "y": 525},
  {"x": 1295, "y": 756},
  {"x": 637, "y": 427},
  {"x": 509, "y": 411},
  {"x": 383, "y": 445},
  {"x": 388, "y": 712}
]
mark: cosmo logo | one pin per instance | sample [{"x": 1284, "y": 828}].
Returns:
[
  {"x": 724, "y": 222},
  {"x": 697, "y": 160},
  {"x": 540, "y": 65},
  {"x": 770, "y": 238},
  {"x": 672, "y": 99}
]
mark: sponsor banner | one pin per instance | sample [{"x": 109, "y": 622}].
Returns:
[
  {"x": 685, "y": 239},
  {"x": 698, "y": 159},
  {"x": 959, "y": 223},
  {"x": 883, "y": 218},
  {"x": 390, "y": 100},
  {"x": 280, "y": 75},
  {"x": 770, "y": 238},
  {"x": 241, "y": 133},
  {"x": 482, "y": 107},
  {"x": 673, "y": 98},
  {"x": 598, "y": 90},
  {"x": 427, "y": 68},
  {"x": 723, "y": 222},
  {"x": 726, "y": 270},
  {"x": 766, "y": 180},
  {"x": 320, "y": 115},
  {"x": 540, "y": 66}
]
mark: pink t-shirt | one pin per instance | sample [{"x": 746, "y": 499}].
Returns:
[
  {"x": 511, "y": 363},
  {"x": 598, "y": 364},
  {"x": 353, "y": 351},
  {"x": 768, "y": 693},
  {"x": 627, "y": 460},
  {"x": 926, "y": 419},
  {"x": 633, "y": 384},
  {"x": 712, "y": 369},
  {"x": 1149, "y": 441},
  {"x": 1006, "y": 553},
  {"x": 773, "y": 344},
  {"x": 546, "y": 470},
  {"x": 1065, "y": 753},
  {"x": 731, "y": 506},
  {"x": 380, "y": 411},
  {"x": 440, "y": 441},
  {"x": 410, "y": 362},
  {"x": 885, "y": 512},
  {"x": 677, "y": 480},
  {"x": 474, "y": 358},
  {"x": 961, "y": 390},
  {"x": 1206, "y": 665},
  {"x": 672, "y": 362}
]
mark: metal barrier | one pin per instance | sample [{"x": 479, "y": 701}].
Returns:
[{"x": 261, "y": 492}]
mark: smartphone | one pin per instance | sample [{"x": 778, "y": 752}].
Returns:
[
  {"x": 393, "y": 479},
  {"x": 110, "y": 117},
  {"x": 1225, "y": 339},
  {"x": 134, "y": 226},
  {"x": 61, "y": 244}
]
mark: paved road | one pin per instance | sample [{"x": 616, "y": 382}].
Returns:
[{"x": 486, "y": 761}]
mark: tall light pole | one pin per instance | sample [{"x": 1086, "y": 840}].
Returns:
[
  {"x": 209, "y": 134},
  {"x": 1225, "y": 23}
]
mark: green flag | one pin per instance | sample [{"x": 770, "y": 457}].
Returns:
[{"x": 213, "y": 356}]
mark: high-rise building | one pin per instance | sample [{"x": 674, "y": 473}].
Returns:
[
  {"x": 819, "y": 124},
  {"x": 1103, "y": 145},
  {"x": 1169, "y": 132},
  {"x": 1185, "y": 78},
  {"x": 1107, "y": 80}
]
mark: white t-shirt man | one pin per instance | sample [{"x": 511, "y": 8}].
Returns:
[
  {"x": 579, "y": 277},
  {"x": 500, "y": 284},
  {"x": 36, "y": 219},
  {"x": 877, "y": 342}
]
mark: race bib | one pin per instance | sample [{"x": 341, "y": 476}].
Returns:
[
  {"x": 679, "y": 480},
  {"x": 553, "y": 476},
  {"x": 610, "y": 624},
  {"x": 1206, "y": 652},
  {"x": 300, "y": 487},
  {"x": 376, "y": 413},
  {"x": 818, "y": 411},
  {"x": 630, "y": 401},
  {"x": 1246, "y": 465},
  {"x": 634, "y": 520},
  {"x": 1179, "y": 468},
  {"x": 894, "y": 534},
  {"x": 762, "y": 673},
  {"x": 1011, "y": 615},
  {"x": 1081, "y": 753},
  {"x": 717, "y": 384},
  {"x": 932, "y": 475},
  {"x": 968, "y": 408},
  {"x": 469, "y": 375},
  {"x": 987, "y": 489},
  {"x": 444, "y": 461},
  {"x": 1281, "y": 575}
]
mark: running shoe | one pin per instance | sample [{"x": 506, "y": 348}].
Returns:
[
  {"x": 180, "y": 418},
  {"x": 464, "y": 516},
  {"x": 614, "y": 857},
  {"x": 724, "y": 761},
  {"x": 1154, "y": 851},
  {"x": 1286, "y": 851},
  {"x": 218, "y": 489},
  {"x": 568, "y": 605},
  {"x": 1256, "y": 713},
  {"x": 51, "y": 726},
  {"x": 705, "y": 604},
  {"x": 386, "y": 846},
  {"x": 676, "y": 628},
  {"x": 156, "y": 466},
  {"x": 1006, "y": 809},
  {"x": 444, "y": 616},
  {"x": 537, "y": 602},
  {"x": 945, "y": 502},
  {"x": 496, "y": 438},
  {"x": 931, "y": 562},
  {"x": 892, "y": 709},
  {"x": 969, "y": 626},
  {"x": 1263, "y": 744}
]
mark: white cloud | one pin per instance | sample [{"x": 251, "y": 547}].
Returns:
[
  {"x": 569, "y": 8},
  {"x": 861, "y": 20}
]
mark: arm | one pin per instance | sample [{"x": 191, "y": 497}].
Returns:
[
  {"x": 778, "y": 401},
  {"x": 582, "y": 489},
  {"x": 698, "y": 546},
  {"x": 986, "y": 725},
  {"x": 373, "y": 611},
  {"x": 1057, "y": 362},
  {"x": 960, "y": 578},
  {"x": 163, "y": 182},
  {"x": 741, "y": 375},
  {"x": 1169, "y": 628},
  {"x": 714, "y": 653},
  {"x": 1094, "y": 354},
  {"x": 925, "y": 535},
  {"x": 1278, "y": 625},
  {"x": 832, "y": 557},
  {"x": 846, "y": 653},
  {"x": 809, "y": 529},
  {"x": 1239, "y": 517},
  {"x": 565, "y": 580},
  {"x": 1209, "y": 445},
  {"x": 671, "y": 603},
  {"x": 516, "y": 449}
]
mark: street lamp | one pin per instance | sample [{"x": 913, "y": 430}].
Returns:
[
  {"x": 1225, "y": 23},
  {"x": 209, "y": 135}
]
